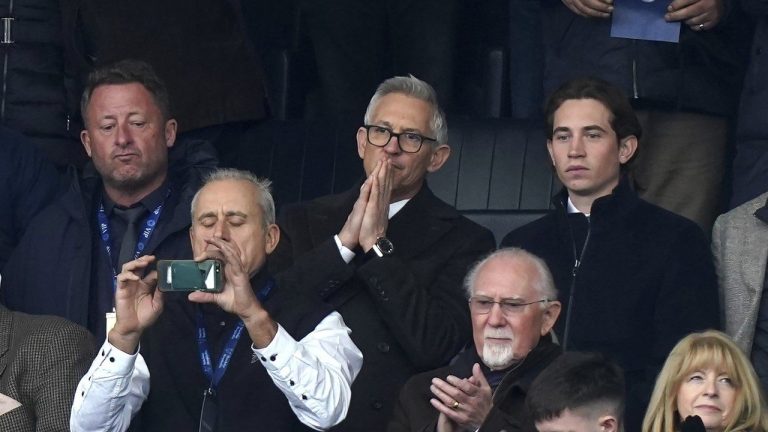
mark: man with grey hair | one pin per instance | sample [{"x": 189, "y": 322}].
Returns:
[
  {"x": 513, "y": 304},
  {"x": 202, "y": 374},
  {"x": 388, "y": 254}
]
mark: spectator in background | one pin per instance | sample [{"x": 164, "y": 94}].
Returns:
[
  {"x": 484, "y": 387},
  {"x": 30, "y": 182},
  {"x": 359, "y": 43},
  {"x": 683, "y": 93},
  {"x": 740, "y": 248},
  {"x": 578, "y": 392},
  {"x": 131, "y": 201},
  {"x": 633, "y": 277},
  {"x": 199, "y": 49},
  {"x": 41, "y": 360},
  {"x": 706, "y": 380},
  {"x": 38, "y": 83},
  {"x": 750, "y": 167},
  {"x": 388, "y": 254}
]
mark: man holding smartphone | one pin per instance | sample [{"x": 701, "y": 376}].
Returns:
[{"x": 200, "y": 370}]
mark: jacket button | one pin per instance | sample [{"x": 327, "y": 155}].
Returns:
[
  {"x": 377, "y": 405},
  {"x": 383, "y": 347}
]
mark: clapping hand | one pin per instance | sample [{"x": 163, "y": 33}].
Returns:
[{"x": 463, "y": 403}]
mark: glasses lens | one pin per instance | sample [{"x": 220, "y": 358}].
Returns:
[
  {"x": 480, "y": 305},
  {"x": 410, "y": 142},
  {"x": 378, "y": 135}
]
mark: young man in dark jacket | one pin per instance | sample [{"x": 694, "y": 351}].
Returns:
[
  {"x": 684, "y": 93},
  {"x": 633, "y": 278}
]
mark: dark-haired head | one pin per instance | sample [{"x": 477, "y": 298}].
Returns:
[
  {"x": 126, "y": 72},
  {"x": 624, "y": 121},
  {"x": 583, "y": 388}
]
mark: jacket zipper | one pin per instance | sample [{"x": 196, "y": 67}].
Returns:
[
  {"x": 6, "y": 41},
  {"x": 577, "y": 260}
]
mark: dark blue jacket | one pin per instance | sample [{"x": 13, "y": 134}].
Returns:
[
  {"x": 29, "y": 183},
  {"x": 754, "y": 99},
  {"x": 701, "y": 74},
  {"x": 646, "y": 279},
  {"x": 51, "y": 270}
]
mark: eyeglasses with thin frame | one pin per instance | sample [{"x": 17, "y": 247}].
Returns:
[
  {"x": 409, "y": 142},
  {"x": 483, "y": 305}
]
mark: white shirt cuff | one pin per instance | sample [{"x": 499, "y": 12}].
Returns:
[
  {"x": 346, "y": 254},
  {"x": 115, "y": 362},
  {"x": 276, "y": 355}
]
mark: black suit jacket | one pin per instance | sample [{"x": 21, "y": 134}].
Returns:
[{"x": 408, "y": 312}]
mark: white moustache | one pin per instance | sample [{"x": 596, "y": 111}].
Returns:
[{"x": 498, "y": 333}]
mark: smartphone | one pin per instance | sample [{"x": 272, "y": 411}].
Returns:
[{"x": 189, "y": 275}]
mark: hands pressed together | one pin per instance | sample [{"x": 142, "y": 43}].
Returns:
[
  {"x": 463, "y": 403},
  {"x": 696, "y": 14},
  {"x": 370, "y": 214}
]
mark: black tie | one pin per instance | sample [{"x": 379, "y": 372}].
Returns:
[{"x": 128, "y": 246}]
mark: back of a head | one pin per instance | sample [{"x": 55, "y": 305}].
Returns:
[{"x": 584, "y": 384}]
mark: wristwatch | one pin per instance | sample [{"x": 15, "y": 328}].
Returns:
[{"x": 383, "y": 247}]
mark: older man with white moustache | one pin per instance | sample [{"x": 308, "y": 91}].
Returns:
[{"x": 513, "y": 304}]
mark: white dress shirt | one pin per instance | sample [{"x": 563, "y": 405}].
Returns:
[{"x": 322, "y": 366}]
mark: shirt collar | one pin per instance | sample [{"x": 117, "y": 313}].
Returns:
[
  {"x": 396, "y": 207},
  {"x": 149, "y": 202},
  {"x": 572, "y": 208}
]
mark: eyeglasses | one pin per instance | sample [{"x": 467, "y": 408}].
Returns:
[
  {"x": 409, "y": 142},
  {"x": 483, "y": 305}
]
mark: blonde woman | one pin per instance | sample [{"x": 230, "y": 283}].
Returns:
[{"x": 708, "y": 376}]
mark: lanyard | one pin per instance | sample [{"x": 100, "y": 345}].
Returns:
[
  {"x": 215, "y": 375},
  {"x": 144, "y": 235}
]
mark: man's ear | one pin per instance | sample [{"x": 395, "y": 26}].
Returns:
[
  {"x": 627, "y": 149},
  {"x": 362, "y": 140},
  {"x": 170, "y": 132},
  {"x": 439, "y": 155},
  {"x": 272, "y": 237},
  {"x": 86, "y": 140},
  {"x": 549, "y": 149},
  {"x": 551, "y": 312},
  {"x": 608, "y": 424}
]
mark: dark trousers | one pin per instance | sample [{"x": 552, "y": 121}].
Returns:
[{"x": 360, "y": 43}]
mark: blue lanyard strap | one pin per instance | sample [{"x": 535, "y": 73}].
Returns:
[
  {"x": 215, "y": 376},
  {"x": 144, "y": 235}
]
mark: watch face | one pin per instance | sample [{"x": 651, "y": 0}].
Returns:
[{"x": 385, "y": 246}]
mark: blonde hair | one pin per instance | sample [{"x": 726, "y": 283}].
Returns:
[{"x": 701, "y": 350}]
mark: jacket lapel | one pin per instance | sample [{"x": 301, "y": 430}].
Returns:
[
  {"x": 6, "y": 321},
  {"x": 421, "y": 223},
  {"x": 330, "y": 213},
  {"x": 745, "y": 299}
]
